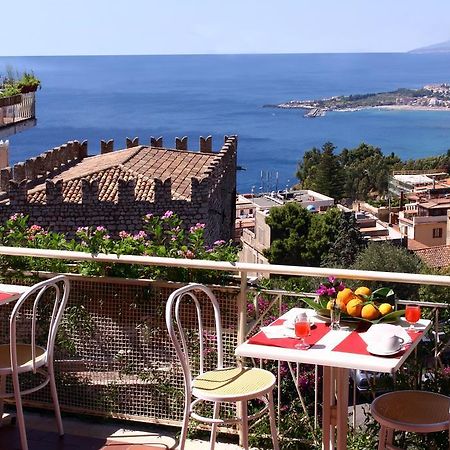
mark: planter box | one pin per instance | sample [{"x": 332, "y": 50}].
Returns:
[
  {"x": 28, "y": 89},
  {"x": 9, "y": 101}
]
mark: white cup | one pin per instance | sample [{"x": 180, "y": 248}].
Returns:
[{"x": 390, "y": 343}]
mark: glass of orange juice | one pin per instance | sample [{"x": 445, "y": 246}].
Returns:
[
  {"x": 302, "y": 329},
  {"x": 412, "y": 315}
]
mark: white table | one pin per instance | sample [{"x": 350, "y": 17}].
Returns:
[
  {"x": 336, "y": 365},
  {"x": 15, "y": 290}
]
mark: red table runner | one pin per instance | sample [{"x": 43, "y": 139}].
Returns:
[
  {"x": 5, "y": 296},
  {"x": 354, "y": 343},
  {"x": 317, "y": 332}
]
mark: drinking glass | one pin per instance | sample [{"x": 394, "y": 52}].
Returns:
[
  {"x": 302, "y": 329},
  {"x": 412, "y": 315}
]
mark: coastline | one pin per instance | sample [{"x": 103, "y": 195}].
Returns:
[{"x": 385, "y": 107}]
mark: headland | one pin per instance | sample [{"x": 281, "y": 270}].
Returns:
[{"x": 432, "y": 97}]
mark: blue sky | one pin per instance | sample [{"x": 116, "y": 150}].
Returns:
[{"x": 74, "y": 27}]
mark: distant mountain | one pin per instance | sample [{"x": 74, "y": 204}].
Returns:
[{"x": 442, "y": 47}]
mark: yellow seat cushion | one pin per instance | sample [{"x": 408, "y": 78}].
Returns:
[
  {"x": 24, "y": 358},
  {"x": 233, "y": 383}
]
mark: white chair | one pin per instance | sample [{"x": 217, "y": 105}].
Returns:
[
  {"x": 18, "y": 358},
  {"x": 235, "y": 384},
  {"x": 411, "y": 411}
]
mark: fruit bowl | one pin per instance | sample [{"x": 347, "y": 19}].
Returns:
[{"x": 383, "y": 313}]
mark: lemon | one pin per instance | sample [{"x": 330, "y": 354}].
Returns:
[
  {"x": 363, "y": 290},
  {"x": 385, "y": 308},
  {"x": 370, "y": 312}
]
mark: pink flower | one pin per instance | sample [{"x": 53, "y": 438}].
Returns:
[
  {"x": 140, "y": 235},
  {"x": 197, "y": 226},
  {"x": 189, "y": 254},
  {"x": 167, "y": 214},
  {"x": 323, "y": 290},
  {"x": 331, "y": 291},
  {"x": 100, "y": 228},
  {"x": 16, "y": 216},
  {"x": 35, "y": 228},
  {"x": 123, "y": 234},
  {"x": 219, "y": 242}
]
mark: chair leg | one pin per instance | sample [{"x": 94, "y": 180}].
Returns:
[
  {"x": 2, "y": 392},
  {"x": 184, "y": 428},
  {"x": 214, "y": 425},
  {"x": 389, "y": 436},
  {"x": 19, "y": 411},
  {"x": 382, "y": 438},
  {"x": 273, "y": 425},
  {"x": 54, "y": 392},
  {"x": 243, "y": 415}
]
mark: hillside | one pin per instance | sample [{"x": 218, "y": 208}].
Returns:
[{"x": 442, "y": 47}]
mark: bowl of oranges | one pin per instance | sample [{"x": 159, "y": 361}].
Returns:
[{"x": 359, "y": 305}]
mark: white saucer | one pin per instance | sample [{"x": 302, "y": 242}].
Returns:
[{"x": 379, "y": 352}]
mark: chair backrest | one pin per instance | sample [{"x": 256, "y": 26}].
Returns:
[
  {"x": 177, "y": 332},
  {"x": 58, "y": 286}
]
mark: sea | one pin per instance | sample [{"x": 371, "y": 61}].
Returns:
[{"x": 114, "y": 97}]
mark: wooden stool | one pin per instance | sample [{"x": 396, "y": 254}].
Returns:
[{"x": 413, "y": 411}]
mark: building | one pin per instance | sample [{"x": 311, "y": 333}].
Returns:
[
  {"x": 407, "y": 181},
  {"x": 256, "y": 236},
  {"x": 425, "y": 222},
  {"x": 64, "y": 188},
  {"x": 436, "y": 257}
]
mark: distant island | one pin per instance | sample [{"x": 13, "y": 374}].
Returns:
[
  {"x": 441, "y": 47},
  {"x": 430, "y": 97}
]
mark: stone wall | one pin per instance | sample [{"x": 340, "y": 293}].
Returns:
[
  {"x": 47, "y": 164},
  {"x": 212, "y": 200}
]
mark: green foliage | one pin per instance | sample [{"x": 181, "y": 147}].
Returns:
[
  {"x": 386, "y": 257},
  {"x": 289, "y": 226},
  {"x": 354, "y": 173},
  {"x": 163, "y": 236},
  {"x": 14, "y": 84},
  {"x": 346, "y": 243},
  {"x": 300, "y": 237},
  {"x": 320, "y": 171}
]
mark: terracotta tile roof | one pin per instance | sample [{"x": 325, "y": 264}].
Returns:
[
  {"x": 438, "y": 256},
  {"x": 142, "y": 164}
]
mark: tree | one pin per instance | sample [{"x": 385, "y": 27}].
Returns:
[
  {"x": 345, "y": 245},
  {"x": 300, "y": 237},
  {"x": 386, "y": 257},
  {"x": 289, "y": 225}
]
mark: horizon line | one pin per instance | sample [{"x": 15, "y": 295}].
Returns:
[{"x": 212, "y": 54}]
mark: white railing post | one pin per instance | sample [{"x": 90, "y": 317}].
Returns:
[{"x": 242, "y": 309}]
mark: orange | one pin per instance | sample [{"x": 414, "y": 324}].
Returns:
[
  {"x": 385, "y": 308},
  {"x": 354, "y": 307},
  {"x": 363, "y": 290},
  {"x": 345, "y": 295},
  {"x": 370, "y": 312}
]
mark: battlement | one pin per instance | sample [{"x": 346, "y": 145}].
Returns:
[
  {"x": 181, "y": 143},
  {"x": 44, "y": 165},
  {"x": 56, "y": 160}
]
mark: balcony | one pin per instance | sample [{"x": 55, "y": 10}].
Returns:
[
  {"x": 114, "y": 359},
  {"x": 17, "y": 113}
]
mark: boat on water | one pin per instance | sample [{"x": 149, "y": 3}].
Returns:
[{"x": 315, "y": 112}]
